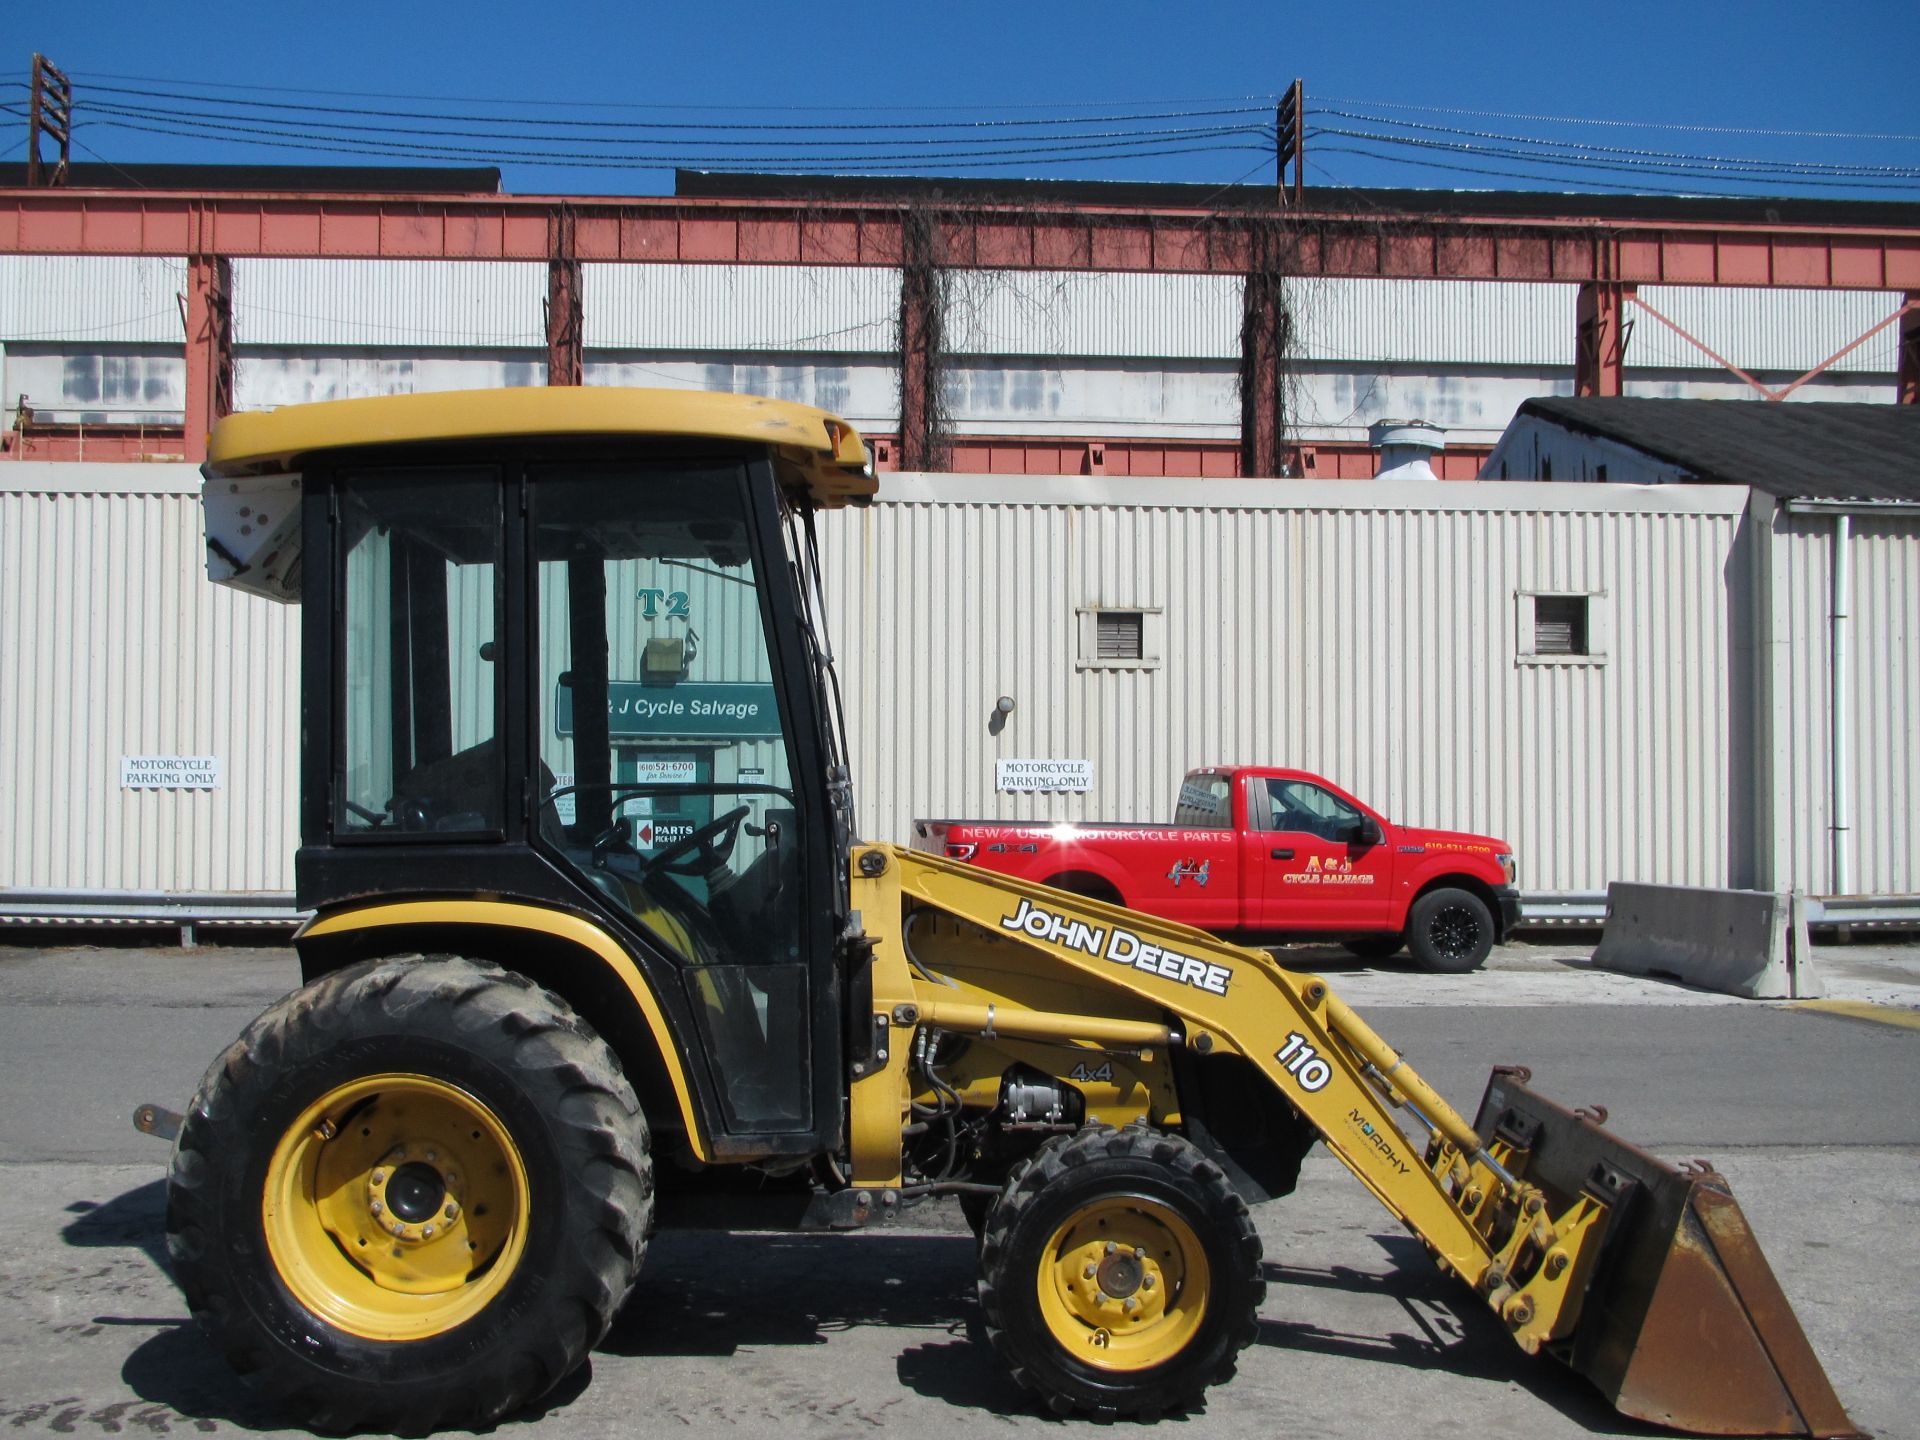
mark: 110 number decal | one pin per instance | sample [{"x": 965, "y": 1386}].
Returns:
[{"x": 1303, "y": 1062}]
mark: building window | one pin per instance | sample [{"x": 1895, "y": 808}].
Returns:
[
  {"x": 1118, "y": 634},
  {"x": 1120, "y": 639},
  {"x": 1560, "y": 627}
]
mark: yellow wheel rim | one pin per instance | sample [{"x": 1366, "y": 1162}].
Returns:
[
  {"x": 1124, "y": 1284},
  {"x": 396, "y": 1207}
]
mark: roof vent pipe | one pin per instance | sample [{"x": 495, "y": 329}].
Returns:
[{"x": 1406, "y": 447}]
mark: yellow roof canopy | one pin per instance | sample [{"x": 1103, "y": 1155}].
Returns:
[{"x": 812, "y": 448}]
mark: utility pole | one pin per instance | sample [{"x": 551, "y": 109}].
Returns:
[
  {"x": 49, "y": 113},
  {"x": 1290, "y": 145}
]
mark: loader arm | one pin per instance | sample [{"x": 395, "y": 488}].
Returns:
[{"x": 1656, "y": 1246}]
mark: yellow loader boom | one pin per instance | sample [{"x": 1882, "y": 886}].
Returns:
[{"x": 1643, "y": 1277}]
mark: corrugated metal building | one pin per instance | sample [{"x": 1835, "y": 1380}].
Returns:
[{"x": 1400, "y": 637}]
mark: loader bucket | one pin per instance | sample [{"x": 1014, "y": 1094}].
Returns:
[{"x": 1683, "y": 1324}]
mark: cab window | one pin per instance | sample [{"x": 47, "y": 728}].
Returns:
[{"x": 1308, "y": 809}]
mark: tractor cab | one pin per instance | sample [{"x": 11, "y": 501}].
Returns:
[{"x": 561, "y": 648}]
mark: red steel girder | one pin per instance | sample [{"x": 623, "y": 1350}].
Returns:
[
  {"x": 209, "y": 318},
  {"x": 781, "y": 231}
]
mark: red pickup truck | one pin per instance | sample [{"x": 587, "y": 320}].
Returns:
[{"x": 1264, "y": 853}]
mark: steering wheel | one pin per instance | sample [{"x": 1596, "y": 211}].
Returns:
[{"x": 709, "y": 845}]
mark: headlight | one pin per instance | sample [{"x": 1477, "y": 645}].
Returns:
[{"x": 1508, "y": 868}]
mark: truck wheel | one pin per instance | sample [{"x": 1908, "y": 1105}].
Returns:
[
  {"x": 412, "y": 1195},
  {"x": 1120, "y": 1274},
  {"x": 1375, "y": 947},
  {"x": 1450, "y": 931}
]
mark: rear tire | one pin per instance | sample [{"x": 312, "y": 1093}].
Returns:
[
  {"x": 411, "y": 1196},
  {"x": 1375, "y": 947},
  {"x": 1450, "y": 931},
  {"x": 1176, "y": 1280}
]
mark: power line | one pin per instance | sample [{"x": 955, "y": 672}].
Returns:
[
  {"x": 1263, "y": 101},
  {"x": 330, "y": 129},
  {"x": 1629, "y": 124},
  {"x": 1699, "y": 170},
  {"x": 1105, "y": 117},
  {"x": 569, "y": 160},
  {"x": 1585, "y": 149},
  {"x": 1534, "y": 178}
]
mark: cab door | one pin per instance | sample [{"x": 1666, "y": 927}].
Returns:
[
  {"x": 665, "y": 701},
  {"x": 1323, "y": 870}
]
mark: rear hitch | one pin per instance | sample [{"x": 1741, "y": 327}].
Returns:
[{"x": 159, "y": 1122}]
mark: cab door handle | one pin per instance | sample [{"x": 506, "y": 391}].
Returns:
[{"x": 1282, "y": 854}]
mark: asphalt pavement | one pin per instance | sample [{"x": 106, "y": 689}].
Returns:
[{"x": 1811, "y": 1113}]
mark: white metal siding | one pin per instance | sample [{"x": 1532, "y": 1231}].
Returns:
[
  {"x": 113, "y": 643},
  {"x": 1371, "y": 640},
  {"x": 1883, "y": 849},
  {"x": 104, "y": 299},
  {"x": 1368, "y": 632},
  {"x": 823, "y": 309},
  {"x": 1783, "y": 331},
  {"x": 425, "y": 303},
  {"x": 1093, "y": 314}
]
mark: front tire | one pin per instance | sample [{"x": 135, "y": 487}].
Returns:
[
  {"x": 1120, "y": 1274},
  {"x": 412, "y": 1195},
  {"x": 1450, "y": 931}
]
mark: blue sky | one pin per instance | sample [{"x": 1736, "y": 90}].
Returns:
[{"x": 1845, "y": 72}]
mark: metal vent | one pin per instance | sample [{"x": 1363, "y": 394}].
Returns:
[
  {"x": 1560, "y": 625},
  {"x": 1120, "y": 634}
]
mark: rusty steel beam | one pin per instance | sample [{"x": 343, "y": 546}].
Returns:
[
  {"x": 830, "y": 232},
  {"x": 209, "y": 320},
  {"x": 566, "y": 327},
  {"x": 1601, "y": 331},
  {"x": 922, "y": 332},
  {"x": 1909, "y": 382}
]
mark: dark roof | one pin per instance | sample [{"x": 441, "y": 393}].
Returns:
[
  {"x": 1792, "y": 449},
  {"x": 1321, "y": 199},
  {"x": 279, "y": 179}
]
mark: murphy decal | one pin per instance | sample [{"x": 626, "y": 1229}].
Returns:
[
  {"x": 1372, "y": 1135},
  {"x": 1123, "y": 947}
]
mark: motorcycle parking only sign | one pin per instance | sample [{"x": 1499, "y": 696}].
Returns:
[{"x": 1043, "y": 777}]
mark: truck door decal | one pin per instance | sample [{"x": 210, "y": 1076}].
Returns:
[{"x": 1195, "y": 871}]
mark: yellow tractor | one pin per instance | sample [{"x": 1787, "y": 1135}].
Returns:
[{"x": 594, "y": 948}]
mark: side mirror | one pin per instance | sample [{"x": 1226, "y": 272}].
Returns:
[{"x": 1368, "y": 832}]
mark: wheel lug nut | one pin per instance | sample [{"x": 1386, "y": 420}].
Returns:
[
  {"x": 1132, "y": 1305},
  {"x": 431, "y": 1157},
  {"x": 427, "y": 1232},
  {"x": 1139, "y": 1252},
  {"x": 1147, "y": 1284},
  {"x": 451, "y": 1210},
  {"x": 1091, "y": 1270},
  {"x": 1111, "y": 1247},
  {"x": 379, "y": 1177},
  {"x": 377, "y": 1208}
]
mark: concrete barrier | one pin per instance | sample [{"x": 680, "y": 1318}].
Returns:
[{"x": 1739, "y": 942}]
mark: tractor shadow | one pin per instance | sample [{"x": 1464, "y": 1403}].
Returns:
[
  {"x": 711, "y": 1294},
  {"x": 1446, "y": 1330}
]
